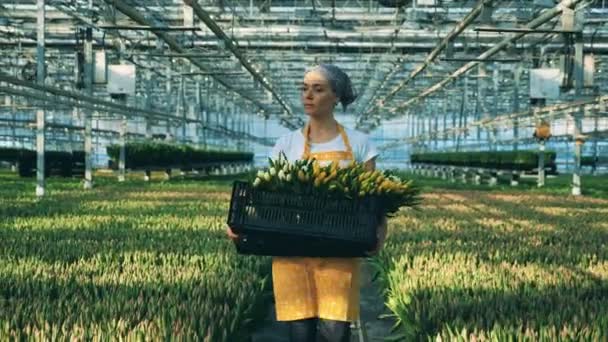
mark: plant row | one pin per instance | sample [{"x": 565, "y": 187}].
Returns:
[
  {"x": 154, "y": 154},
  {"x": 507, "y": 160},
  {"x": 493, "y": 266},
  {"x": 593, "y": 161},
  {"x": 125, "y": 262},
  {"x": 60, "y": 163}
]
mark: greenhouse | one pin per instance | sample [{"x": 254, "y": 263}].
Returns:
[{"x": 324, "y": 170}]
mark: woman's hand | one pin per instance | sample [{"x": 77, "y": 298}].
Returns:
[
  {"x": 381, "y": 235},
  {"x": 231, "y": 234}
]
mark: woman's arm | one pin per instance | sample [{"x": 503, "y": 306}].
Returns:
[{"x": 231, "y": 233}]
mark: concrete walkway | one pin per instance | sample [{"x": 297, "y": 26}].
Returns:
[{"x": 372, "y": 306}]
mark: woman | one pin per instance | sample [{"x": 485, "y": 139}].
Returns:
[{"x": 320, "y": 296}]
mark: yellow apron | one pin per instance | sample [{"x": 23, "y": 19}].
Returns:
[{"x": 327, "y": 288}]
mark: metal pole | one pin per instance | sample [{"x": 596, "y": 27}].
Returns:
[
  {"x": 465, "y": 113},
  {"x": 40, "y": 113},
  {"x": 481, "y": 97},
  {"x": 516, "y": 75},
  {"x": 454, "y": 136},
  {"x": 496, "y": 76},
  {"x": 88, "y": 83},
  {"x": 122, "y": 142},
  {"x": 148, "y": 103},
  {"x": 578, "y": 146},
  {"x": 429, "y": 129},
  {"x": 9, "y": 100},
  {"x": 595, "y": 141},
  {"x": 181, "y": 107},
  {"x": 445, "y": 121},
  {"x": 418, "y": 126},
  {"x": 71, "y": 133},
  {"x": 198, "y": 112},
  {"x": 436, "y": 129},
  {"x": 541, "y": 163}
]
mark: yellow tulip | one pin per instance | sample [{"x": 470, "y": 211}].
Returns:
[{"x": 301, "y": 176}]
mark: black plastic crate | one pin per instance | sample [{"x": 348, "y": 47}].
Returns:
[{"x": 281, "y": 224}]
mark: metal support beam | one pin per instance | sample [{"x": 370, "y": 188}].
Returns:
[
  {"x": 88, "y": 84},
  {"x": 148, "y": 102},
  {"x": 149, "y": 28},
  {"x": 435, "y": 129},
  {"x": 170, "y": 98},
  {"x": 493, "y": 132},
  {"x": 108, "y": 106},
  {"x": 181, "y": 108},
  {"x": 229, "y": 44},
  {"x": 466, "y": 21},
  {"x": 201, "y": 112},
  {"x": 40, "y": 112},
  {"x": 482, "y": 60},
  {"x": 516, "y": 76},
  {"x": 541, "y": 19},
  {"x": 132, "y": 13},
  {"x": 445, "y": 122},
  {"x": 454, "y": 135},
  {"x": 595, "y": 142},
  {"x": 122, "y": 142},
  {"x": 482, "y": 108},
  {"x": 578, "y": 125},
  {"x": 522, "y": 30},
  {"x": 31, "y": 95},
  {"x": 551, "y": 111}
]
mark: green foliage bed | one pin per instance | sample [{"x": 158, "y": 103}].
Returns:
[
  {"x": 507, "y": 160},
  {"x": 124, "y": 261},
  {"x": 150, "y": 261},
  {"x": 154, "y": 154},
  {"x": 498, "y": 266}
]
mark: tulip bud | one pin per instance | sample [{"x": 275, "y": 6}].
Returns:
[
  {"x": 257, "y": 181},
  {"x": 273, "y": 171},
  {"x": 301, "y": 176},
  {"x": 281, "y": 175}
]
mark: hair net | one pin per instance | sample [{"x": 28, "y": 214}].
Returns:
[{"x": 339, "y": 81}]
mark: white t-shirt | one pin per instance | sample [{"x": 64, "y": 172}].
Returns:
[{"x": 292, "y": 144}]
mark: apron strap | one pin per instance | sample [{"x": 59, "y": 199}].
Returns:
[
  {"x": 345, "y": 139},
  {"x": 342, "y": 132}
]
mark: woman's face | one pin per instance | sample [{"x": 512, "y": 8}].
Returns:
[{"x": 317, "y": 96}]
